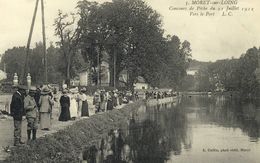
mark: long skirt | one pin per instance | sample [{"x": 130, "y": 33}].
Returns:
[
  {"x": 110, "y": 105},
  {"x": 103, "y": 106},
  {"x": 114, "y": 101},
  {"x": 45, "y": 120},
  {"x": 65, "y": 114},
  {"x": 84, "y": 111},
  {"x": 73, "y": 108}
]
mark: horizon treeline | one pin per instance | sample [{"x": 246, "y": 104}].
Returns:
[{"x": 235, "y": 74}]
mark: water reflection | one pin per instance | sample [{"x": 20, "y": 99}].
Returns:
[
  {"x": 151, "y": 136},
  {"x": 164, "y": 132},
  {"x": 229, "y": 112}
]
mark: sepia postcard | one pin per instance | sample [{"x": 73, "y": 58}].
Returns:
[{"x": 130, "y": 81}]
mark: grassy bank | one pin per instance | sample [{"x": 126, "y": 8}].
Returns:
[{"x": 66, "y": 145}]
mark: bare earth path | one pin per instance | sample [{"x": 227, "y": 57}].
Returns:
[{"x": 6, "y": 128}]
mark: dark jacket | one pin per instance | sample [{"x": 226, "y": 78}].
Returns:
[
  {"x": 37, "y": 98},
  {"x": 17, "y": 106}
]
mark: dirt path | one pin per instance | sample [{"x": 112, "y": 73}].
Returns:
[{"x": 6, "y": 128}]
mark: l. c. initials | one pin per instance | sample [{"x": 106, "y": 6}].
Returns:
[{"x": 227, "y": 13}]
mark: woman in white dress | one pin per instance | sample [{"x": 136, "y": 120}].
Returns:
[{"x": 73, "y": 105}]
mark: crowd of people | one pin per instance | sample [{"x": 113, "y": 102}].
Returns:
[
  {"x": 37, "y": 105},
  {"x": 159, "y": 94},
  {"x": 108, "y": 100}
]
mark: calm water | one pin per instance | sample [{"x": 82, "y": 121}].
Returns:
[{"x": 199, "y": 129}]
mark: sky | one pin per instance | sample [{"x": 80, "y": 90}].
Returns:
[{"x": 211, "y": 38}]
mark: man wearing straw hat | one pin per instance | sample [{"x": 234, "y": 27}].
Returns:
[
  {"x": 32, "y": 114},
  {"x": 17, "y": 111}
]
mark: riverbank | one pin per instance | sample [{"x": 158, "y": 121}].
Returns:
[
  {"x": 154, "y": 102},
  {"x": 66, "y": 145},
  {"x": 227, "y": 93},
  {"x": 6, "y": 127}
]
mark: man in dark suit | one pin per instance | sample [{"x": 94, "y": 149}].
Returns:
[{"x": 17, "y": 111}]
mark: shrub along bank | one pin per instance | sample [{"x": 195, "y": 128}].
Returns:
[{"x": 66, "y": 145}]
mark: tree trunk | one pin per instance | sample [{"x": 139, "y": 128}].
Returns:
[
  {"x": 95, "y": 76},
  {"x": 68, "y": 73},
  {"x": 111, "y": 71},
  {"x": 130, "y": 84}
]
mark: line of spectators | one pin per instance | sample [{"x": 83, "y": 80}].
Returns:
[
  {"x": 108, "y": 100},
  {"x": 159, "y": 94},
  {"x": 37, "y": 105}
]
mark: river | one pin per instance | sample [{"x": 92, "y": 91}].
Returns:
[{"x": 196, "y": 129}]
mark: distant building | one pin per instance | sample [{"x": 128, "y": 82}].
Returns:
[
  {"x": 140, "y": 81},
  {"x": 192, "y": 72},
  {"x": 2, "y": 75},
  {"x": 85, "y": 75},
  {"x": 86, "y": 78},
  {"x": 141, "y": 84}
]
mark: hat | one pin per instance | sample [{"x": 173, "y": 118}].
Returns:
[
  {"x": 32, "y": 89},
  {"x": 45, "y": 91},
  {"x": 21, "y": 87},
  {"x": 65, "y": 91},
  {"x": 50, "y": 87},
  {"x": 74, "y": 90},
  {"x": 83, "y": 90}
]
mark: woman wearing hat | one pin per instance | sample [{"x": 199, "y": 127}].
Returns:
[
  {"x": 46, "y": 104},
  {"x": 84, "y": 103},
  {"x": 109, "y": 101},
  {"x": 97, "y": 101},
  {"x": 65, "y": 106}
]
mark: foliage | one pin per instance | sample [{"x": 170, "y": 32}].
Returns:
[
  {"x": 232, "y": 74},
  {"x": 176, "y": 61},
  {"x": 14, "y": 60},
  {"x": 130, "y": 32},
  {"x": 247, "y": 68},
  {"x": 127, "y": 34}
]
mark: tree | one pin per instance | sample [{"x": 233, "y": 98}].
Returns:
[
  {"x": 204, "y": 80},
  {"x": 128, "y": 31},
  {"x": 36, "y": 63},
  {"x": 56, "y": 68},
  {"x": 175, "y": 61},
  {"x": 68, "y": 39},
  {"x": 233, "y": 74},
  {"x": 248, "y": 65},
  {"x": 14, "y": 59}
]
